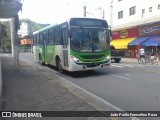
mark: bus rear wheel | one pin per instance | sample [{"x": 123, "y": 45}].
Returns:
[
  {"x": 117, "y": 60},
  {"x": 40, "y": 60},
  {"x": 59, "y": 66}
]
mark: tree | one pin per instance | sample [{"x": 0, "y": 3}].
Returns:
[{"x": 5, "y": 40}]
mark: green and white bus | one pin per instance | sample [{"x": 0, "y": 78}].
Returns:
[{"x": 76, "y": 45}]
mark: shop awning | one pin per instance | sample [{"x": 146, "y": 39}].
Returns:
[
  {"x": 152, "y": 41},
  {"x": 138, "y": 40},
  {"x": 121, "y": 43}
]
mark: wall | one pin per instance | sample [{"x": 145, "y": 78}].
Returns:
[{"x": 140, "y": 4}]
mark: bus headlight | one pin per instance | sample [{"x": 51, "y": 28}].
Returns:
[
  {"x": 76, "y": 60},
  {"x": 107, "y": 58}
]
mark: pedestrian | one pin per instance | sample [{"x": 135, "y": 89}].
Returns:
[
  {"x": 141, "y": 55},
  {"x": 152, "y": 57},
  {"x": 157, "y": 58}
]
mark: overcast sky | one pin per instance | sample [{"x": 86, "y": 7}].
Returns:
[{"x": 56, "y": 11}]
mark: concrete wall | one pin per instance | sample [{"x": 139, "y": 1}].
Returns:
[{"x": 0, "y": 77}]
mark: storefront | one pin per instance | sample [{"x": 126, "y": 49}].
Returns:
[
  {"x": 120, "y": 40},
  {"x": 135, "y": 45},
  {"x": 149, "y": 38}
]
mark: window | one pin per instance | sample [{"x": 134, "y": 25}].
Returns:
[
  {"x": 40, "y": 40},
  {"x": 159, "y": 7},
  {"x": 57, "y": 35},
  {"x": 51, "y": 36},
  {"x": 150, "y": 9},
  {"x": 143, "y": 11},
  {"x": 45, "y": 37},
  {"x": 120, "y": 14},
  {"x": 132, "y": 10}
]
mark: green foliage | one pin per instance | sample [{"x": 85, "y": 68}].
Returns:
[
  {"x": 5, "y": 36},
  {"x": 7, "y": 44}
]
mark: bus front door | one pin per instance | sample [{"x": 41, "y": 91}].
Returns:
[{"x": 64, "y": 36}]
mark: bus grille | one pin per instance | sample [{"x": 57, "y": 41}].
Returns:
[{"x": 91, "y": 56}]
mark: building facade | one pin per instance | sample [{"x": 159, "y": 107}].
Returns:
[
  {"x": 136, "y": 24},
  {"x": 25, "y": 29},
  {"x": 128, "y": 13}
]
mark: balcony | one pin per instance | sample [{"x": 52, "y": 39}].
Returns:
[{"x": 9, "y": 8}]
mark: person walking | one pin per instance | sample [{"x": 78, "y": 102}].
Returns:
[
  {"x": 152, "y": 57},
  {"x": 157, "y": 58}
]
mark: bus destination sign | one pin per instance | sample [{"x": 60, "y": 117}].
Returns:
[{"x": 88, "y": 22}]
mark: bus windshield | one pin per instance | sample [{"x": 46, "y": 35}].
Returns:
[{"x": 89, "y": 39}]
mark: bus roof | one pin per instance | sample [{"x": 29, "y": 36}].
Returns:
[
  {"x": 80, "y": 23},
  {"x": 45, "y": 28}
]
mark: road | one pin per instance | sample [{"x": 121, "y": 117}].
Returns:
[{"x": 128, "y": 86}]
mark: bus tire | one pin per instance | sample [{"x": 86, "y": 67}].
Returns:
[
  {"x": 117, "y": 60},
  {"x": 40, "y": 60},
  {"x": 59, "y": 66}
]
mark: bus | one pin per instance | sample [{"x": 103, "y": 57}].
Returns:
[{"x": 78, "y": 44}]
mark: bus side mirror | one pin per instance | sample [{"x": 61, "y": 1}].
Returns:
[{"x": 110, "y": 32}]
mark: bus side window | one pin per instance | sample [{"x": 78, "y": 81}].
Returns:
[
  {"x": 40, "y": 39},
  {"x": 45, "y": 37},
  {"x": 51, "y": 36},
  {"x": 57, "y": 35}
]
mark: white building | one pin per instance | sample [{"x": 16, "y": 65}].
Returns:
[
  {"x": 128, "y": 13},
  {"x": 25, "y": 29}
]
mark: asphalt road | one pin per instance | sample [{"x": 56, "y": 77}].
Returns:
[{"x": 128, "y": 86}]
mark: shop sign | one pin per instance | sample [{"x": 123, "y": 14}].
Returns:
[
  {"x": 149, "y": 29},
  {"x": 123, "y": 33}
]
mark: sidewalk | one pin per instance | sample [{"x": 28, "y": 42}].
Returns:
[
  {"x": 133, "y": 60},
  {"x": 33, "y": 89}
]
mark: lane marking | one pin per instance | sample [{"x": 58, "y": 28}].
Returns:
[
  {"x": 117, "y": 66},
  {"x": 126, "y": 65},
  {"x": 121, "y": 77},
  {"x": 152, "y": 71}
]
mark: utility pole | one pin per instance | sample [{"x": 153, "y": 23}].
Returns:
[
  {"x": 14, "y": 42},
  {"x": 0, "y": 37},
  {"x": 84, "y": 11},
  {"x": 111, "y": 13},
  {"x": 103, "y": 15},
  {"x": 0, "y": 64}
]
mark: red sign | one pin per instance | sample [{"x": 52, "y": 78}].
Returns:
[{"x": 125, "y": 33}]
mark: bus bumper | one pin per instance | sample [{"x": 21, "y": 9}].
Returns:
[{"x": 92, "y": 66}]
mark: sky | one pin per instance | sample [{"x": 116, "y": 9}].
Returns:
[{"x": 57, "y": 11}]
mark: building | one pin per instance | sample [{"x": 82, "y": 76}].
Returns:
[
  {"x": 26, "y": 42},
  {"x": 128, "y": 13},
  {"x": 25, "y": 29},
  {"x": 135, "y": 24},
  {"x": 25, "y": 45}
]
